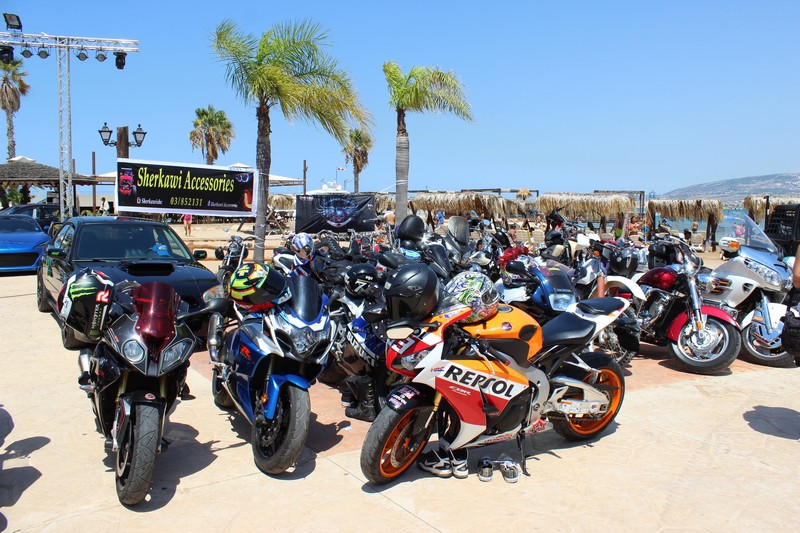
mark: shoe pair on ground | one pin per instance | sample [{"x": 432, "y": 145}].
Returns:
[
  {"x": 445, "y": 463},
  {"x": 507, "y": 467}
]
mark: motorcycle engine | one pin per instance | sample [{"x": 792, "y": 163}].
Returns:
[{"x": 654, "y": 307}]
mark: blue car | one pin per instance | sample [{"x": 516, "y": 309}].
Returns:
[{"x": 22, "y": 241}]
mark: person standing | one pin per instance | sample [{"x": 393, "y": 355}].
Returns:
[
  {"x": 104, "y": 207},
  {"x": 187, "y": 224}
]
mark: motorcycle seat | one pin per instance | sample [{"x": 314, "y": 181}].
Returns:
[
  {"x": 393, "y": 260},
  {"x": 600, "y": 306},
  {"x": 567, "y": 328}
]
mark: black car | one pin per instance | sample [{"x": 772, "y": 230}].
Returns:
[
  {"x": 45, "y": 214},
  {"x": 123, "y": 249}
]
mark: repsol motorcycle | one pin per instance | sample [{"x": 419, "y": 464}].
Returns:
[
  {"x": 751, "y": 286},
  {"x": 266, "y": 357},
  {"x": 703, "y": 339},
  {"x": 133, "y": 375},
  {"x": 501, "y": 378}
]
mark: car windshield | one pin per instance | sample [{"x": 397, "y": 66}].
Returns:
[
  {"x": 18, "y": 225},
  {"x": 747, "y": 232},
  {"x": 129, "y": 241}
]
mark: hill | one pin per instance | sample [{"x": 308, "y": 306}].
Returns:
[{"x": 735, "y": 190}]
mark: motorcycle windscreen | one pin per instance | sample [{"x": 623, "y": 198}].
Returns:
[
  {"x": 458, "y": 227},
  {"x": 157, "y": 304},
  {"x": 437, "y": 254},
  {"x": 306, "y": 300}
]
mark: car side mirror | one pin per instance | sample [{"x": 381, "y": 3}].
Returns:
[
  {"x": 200, "y": 254},
  {"x": 56, "y": 253},
  {"x": 54, "y": 228}
]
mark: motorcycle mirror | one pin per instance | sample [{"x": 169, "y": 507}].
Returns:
[{"x": 399, "y": 332}]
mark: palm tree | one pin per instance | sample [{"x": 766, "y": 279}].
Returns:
[
  {"x": 286, "y": 67},
  {"x": 422, "y": 89},
  {"x": 357, "y": 150},
  {"x": 212, "y": 133},
  {"x": 12, "y": 88}
]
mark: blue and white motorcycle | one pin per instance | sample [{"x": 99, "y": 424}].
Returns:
[{"x": 266, "y": 353}]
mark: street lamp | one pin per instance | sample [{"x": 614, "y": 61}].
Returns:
[{"x": 122, "y": 143}]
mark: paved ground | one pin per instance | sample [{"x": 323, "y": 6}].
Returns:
[{"x": 686, "y": 453}]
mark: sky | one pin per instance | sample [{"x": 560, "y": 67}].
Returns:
[{"x": 566, "y": 96}]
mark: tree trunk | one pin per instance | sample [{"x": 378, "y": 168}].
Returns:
[
  {"x": 355, "y": 180},
  {"x": 263, "y": 162},
  {"x": 3, "y": 197},
  {"x": 12, "y": 145},
  {"x": 401, "y": 168}
]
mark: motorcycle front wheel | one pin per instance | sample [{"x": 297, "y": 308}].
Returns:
[
  {"x": 759, "y": 350},
  {"x": 277, "y": 442},
  {"x": 707, "y": 351},
  {"x": 610, "y": 380},
  {"x": 136, "y": 456},
  {"x": 393, "y": 442}
]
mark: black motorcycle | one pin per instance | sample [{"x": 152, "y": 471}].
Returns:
[{"x": 137, "y": 369}]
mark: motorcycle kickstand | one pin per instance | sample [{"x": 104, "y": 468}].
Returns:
[{"x": 523, "y": 455}]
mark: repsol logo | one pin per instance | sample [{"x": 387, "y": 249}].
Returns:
[{"x": 478, "y": 380}]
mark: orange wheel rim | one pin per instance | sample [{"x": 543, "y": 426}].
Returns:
[
  {"x": 396, "y": 454},
  {"x": 609, "y": 379}
]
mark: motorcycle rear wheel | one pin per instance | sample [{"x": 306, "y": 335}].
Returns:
[
  {"x": 753, "y": 353},
  {"x": 277, "y": 443},
  {"x": 686, "y": 353},
  {"x": 393, "y": 443},
  {"x": 136, "y": 456},
  {"x": 610, "y": 379},
  {"x": 222, "y": 399}
]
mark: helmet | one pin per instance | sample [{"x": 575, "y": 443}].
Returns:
[
  {"x": 624, "y": 261},
  {"x": 219, "y": 253},
  {"x": 257, "y": 287},
  {"x": 359, "y": 278},
  {"x": 412, "y": 228},
  {"x": 85, "y": 302},
  {"x": 477, "y": 291},
  {"x": 411, "y": 291},
  {"x": 408, "y": 245},
  {"x": 303, "y": 246}
]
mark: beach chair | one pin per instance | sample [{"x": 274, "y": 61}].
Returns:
[
  {"x": 537, "y": 236},
  {"x": 524, "y": 236},
  {"x": 697, "y": 243}
]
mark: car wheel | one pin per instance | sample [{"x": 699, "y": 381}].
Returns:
[{"x": 41, "y": 298}]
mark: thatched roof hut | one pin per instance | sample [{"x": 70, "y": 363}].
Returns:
[
  {"x": 589, "y": 205},
  {"x": 757, "y": 205},
  {"x": 458, "y": 203},
  {"x": 24, "y": 171},
  {"x": 384, "y": 202},
  {"x": 281, "y": 201},
  {"x": 691, "y": 209}
]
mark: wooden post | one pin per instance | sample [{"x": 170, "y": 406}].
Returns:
[
  {"x": 305, "y": 172},
  {"x": 123, "y": 144}
]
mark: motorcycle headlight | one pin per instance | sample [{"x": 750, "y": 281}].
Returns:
[
  {"x": 560, "y": 302},
  {"x": 133, "y": 351},
  {"x": 217, "y": 291},
  {"x": 409, "y": 362},
  {"x": 770, "y": 276},
  {"x": 174, "y": 354}
]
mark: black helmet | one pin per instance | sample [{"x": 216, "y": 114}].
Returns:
[
  {"x": 219, "y": 253},
  {"x": 257, "y": 287},
  {"x": 359, "y": 278},
  {"x": 624, "y": 261},
  {"x": 407, "y": 244},
  {"x": 412, "y": 228},
  {"x": 85, "y": 301},
  {"x": 412, "y": 291}
]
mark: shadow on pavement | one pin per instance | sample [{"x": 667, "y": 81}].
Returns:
[{"x": 776, "y": 421}]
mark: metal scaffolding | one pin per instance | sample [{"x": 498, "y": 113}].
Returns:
[{"x": 63, "y": 46}]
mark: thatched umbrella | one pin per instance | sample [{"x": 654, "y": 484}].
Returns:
[
  {"x": 693, "y": 209},
  {"x": 757, "y": 205},
  {"x": 28, "y": 172},
  {"x": 281, "y": 201},
  {"x": 588, "y": 205},
  {"x": 458, "y": 203},
  {"x": 384, "y": 203}
]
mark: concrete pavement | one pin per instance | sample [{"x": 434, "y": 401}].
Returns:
[{"x": 686, "y": 453}]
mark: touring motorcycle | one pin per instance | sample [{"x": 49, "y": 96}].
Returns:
[
  {"x": 133, "y": 375},
  {"x": 751, "y": 286},
  {"x": 486, "y": 381}
]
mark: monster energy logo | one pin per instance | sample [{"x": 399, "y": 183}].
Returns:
[{"x": 78, "y": 291}]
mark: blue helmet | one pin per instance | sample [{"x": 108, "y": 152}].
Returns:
[{"x": 303, "y": 246}]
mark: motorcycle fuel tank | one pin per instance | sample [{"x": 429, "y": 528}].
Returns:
[{"x": 661, "y": 278}]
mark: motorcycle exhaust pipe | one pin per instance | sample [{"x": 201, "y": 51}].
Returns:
[
  {"x": 84, "y": 362},
  {"x": 214, "y": 337}
]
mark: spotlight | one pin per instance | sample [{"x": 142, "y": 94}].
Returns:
[
  {"x": 26, "y": 53},
  {"x": 82, "y": 56},
  {"x": 6, "y": 54},
  {"x": 100, "y": 57},
  {"x": 12, "y": 22},
  {"x": 120, "y": 59},
  {"x": 43, "y": 53}
]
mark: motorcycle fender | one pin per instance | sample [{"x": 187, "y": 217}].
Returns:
[
  {"x": 776, "y": 312},
  {"x": 677, "y": 325},
  {"x": 276, "y": 381},
  {"x": 125, "y": 405},
  {"x": 405, "y": 397},
  {"x": 625, "y": 283}
]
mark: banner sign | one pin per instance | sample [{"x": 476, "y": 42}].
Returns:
[
  {"x": 159, "y": 187},
  {"x": 334, "y": 212}
]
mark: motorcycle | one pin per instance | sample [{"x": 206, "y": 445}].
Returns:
[
  {"x": 278, "y": 343},
  {"x": 751, "y": 286},
  {"x": 703, "y": 339},
  {"x": 484, "y": 382},
  {"x": 133, "y": 375},
  {"x": 231, "y": 256}
]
